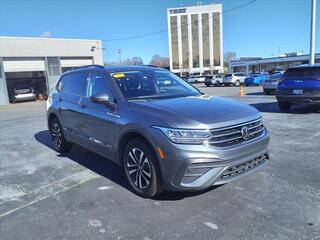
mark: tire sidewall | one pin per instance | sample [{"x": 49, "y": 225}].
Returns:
[{"x": 155, "y": 185}]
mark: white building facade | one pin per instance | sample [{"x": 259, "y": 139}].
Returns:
[
  {"x": 196, "y": 39},
  {"x": 38, "y": 62}
]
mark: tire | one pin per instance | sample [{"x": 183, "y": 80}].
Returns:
[
  {"x": 237, "y": 83},
  {"x": 60, "y": 144},
  {"x": 267, "y": 92},
  {"x": 208, "y": 84},
  {"x": 141, "y": 169},
  {"x": 284, "y": 106},
  {"x": 217, "y": 84}
]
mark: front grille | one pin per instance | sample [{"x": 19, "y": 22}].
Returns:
[
  {"x": 228, "y": 136},
  {"x": 243, "y": 167}
]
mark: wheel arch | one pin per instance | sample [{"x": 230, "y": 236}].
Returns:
[{"x": 126, "y": 137}]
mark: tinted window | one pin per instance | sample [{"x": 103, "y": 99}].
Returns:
[
  {"x": 302, "y": 72},
  {"x": 97, "y": 84},
  {"x": 228, "y": 75},
  {"x": 63, "y": 81},
  {"x": 75, "y": 83}
]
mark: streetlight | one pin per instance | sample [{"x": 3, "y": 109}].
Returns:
[
  {"x": 313, "y": 31},
  {"x": 119, "y": 52}
]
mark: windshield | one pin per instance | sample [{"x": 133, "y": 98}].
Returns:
[{"x": 145, "y": 84}]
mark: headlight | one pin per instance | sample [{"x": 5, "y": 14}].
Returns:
[{"x": 186, "y": 136}]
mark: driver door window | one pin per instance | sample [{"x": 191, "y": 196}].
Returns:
[{"x": 97, "y": 83}]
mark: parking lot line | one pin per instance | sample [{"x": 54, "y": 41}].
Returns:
[{"x": 45, "y": 192}]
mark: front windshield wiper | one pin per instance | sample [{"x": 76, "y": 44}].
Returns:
[{"x": 159, "y": 97}]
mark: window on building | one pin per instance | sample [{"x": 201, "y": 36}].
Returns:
[
  {"x": 216, "y": 38},
  {"x": 75, "y": 83},
  {"x": 174, "y": 42},
  {"x": 195, "y": 40},
  {"x": 185, "y": 41},
  {"x": 53, "y": 66},
  {"x": 205, "y": 40}
]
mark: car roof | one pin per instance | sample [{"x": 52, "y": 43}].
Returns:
[
  {"x": 307, "y": 65},
  {"x": 120, "y": 68}
]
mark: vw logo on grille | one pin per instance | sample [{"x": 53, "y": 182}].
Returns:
[{"x": 244, "y": 133}]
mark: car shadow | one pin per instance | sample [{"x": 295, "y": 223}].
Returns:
[
  {"x": 272, "y": 107},
  {"x": 108, "y": 169}
]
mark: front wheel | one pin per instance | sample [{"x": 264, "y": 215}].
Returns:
[
  {"x": 141, "y": 168},
  {"x": 284, "y": 106},
  {"x": 59, "y": 142}
]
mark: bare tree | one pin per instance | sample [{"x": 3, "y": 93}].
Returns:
[
  {"x": 159, "y": 61},
  {"x": 136, "y": 61},
  {"x": 227, "y": 57}
]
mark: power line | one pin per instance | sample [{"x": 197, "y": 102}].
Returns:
[{"x": 166, "y": 30}]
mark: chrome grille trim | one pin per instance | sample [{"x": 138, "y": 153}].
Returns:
[
  {"x": 228, "y": 136},
  {"x": 243, "y": 167}
]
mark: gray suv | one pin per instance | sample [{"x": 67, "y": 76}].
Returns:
[{"x": 164, "y": 132}]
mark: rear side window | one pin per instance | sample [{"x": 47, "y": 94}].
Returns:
[
  {"x": 75, "y": 83},
  {"x": 303, "y": 72}
]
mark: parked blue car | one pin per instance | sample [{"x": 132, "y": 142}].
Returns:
[
  {"x": 255, "y": 79},
  {"x": 299, "y": 84}
]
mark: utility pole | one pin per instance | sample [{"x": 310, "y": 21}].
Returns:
[
  {"x": 313, "y": 31},
  {"x": 119, "y": 52}
]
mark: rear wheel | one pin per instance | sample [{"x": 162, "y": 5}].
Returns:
[
  {"x": 207, "y": 84},
  {"x": 284, "y": 106},
  {"x": 59, "y": 142},
  {"x": 141, "y": 168}
]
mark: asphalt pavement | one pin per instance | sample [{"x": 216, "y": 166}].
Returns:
[{"x": 80, "y": 195}]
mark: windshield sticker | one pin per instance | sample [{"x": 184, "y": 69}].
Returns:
[{"x": 118, "y": 75}]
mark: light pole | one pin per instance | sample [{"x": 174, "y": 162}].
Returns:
[
  {"x": 313, "y": 31},
  {"x": 119, "y": 52}
]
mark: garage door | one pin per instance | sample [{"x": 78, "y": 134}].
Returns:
[
  {"x": 75, "y": 62},
  {"x": 24, "y": 66}
]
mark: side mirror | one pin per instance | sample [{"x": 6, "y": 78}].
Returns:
[{"x": 103, "y": 98}]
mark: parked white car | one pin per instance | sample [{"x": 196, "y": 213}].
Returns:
[
  {"x": 196, "y": 79},
  {"x": 234, "y": 79}
]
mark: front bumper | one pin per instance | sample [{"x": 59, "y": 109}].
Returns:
[{"x": 197, "y": 167}]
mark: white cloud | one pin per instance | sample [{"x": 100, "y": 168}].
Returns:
[{"x": 46, "y": 34}]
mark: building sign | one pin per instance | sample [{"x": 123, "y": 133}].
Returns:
[{"x": 177, "y": 10}]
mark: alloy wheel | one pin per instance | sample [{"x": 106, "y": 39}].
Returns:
[
  {"x": 56, "y": 135},
  {"x": 139, "y": 168}
]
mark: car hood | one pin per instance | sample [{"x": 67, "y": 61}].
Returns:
[{"x": 198, "y": 111}]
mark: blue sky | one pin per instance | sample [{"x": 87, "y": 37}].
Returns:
[{"x": 260, "y": 29}]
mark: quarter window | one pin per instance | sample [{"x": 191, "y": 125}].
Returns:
[{"x": 63, "y": 81}]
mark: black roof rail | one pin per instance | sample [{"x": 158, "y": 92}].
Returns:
[
  {"x": 149, "y": 65},
  {"x": 91, "y": 66}
]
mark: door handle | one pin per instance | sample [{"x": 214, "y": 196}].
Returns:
[
  {"x": 82, "y": 105},
  {"x": 63, "y": 108}
]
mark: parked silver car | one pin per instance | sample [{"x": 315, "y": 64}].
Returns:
[
  {"x": 234, "y": 79},
  {"x": 164, "y": 132},
  {"x": 270, "y": 85},
  {"x": 23, "y": 93}
]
